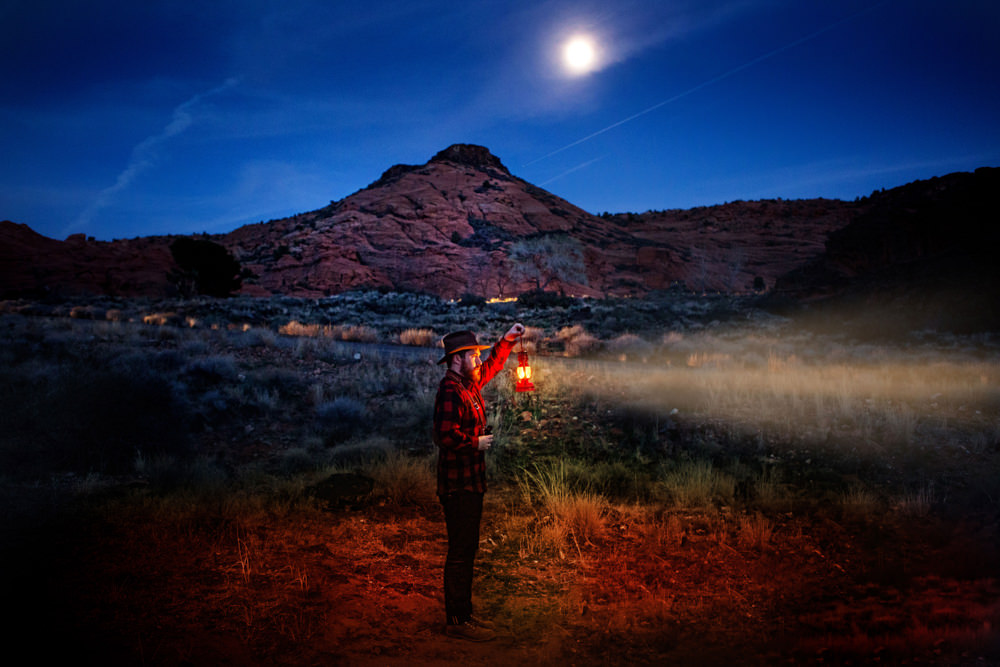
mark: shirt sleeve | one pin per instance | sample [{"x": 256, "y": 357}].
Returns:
[{"x": 495, "y": 361}]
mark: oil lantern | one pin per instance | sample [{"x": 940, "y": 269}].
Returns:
[{"x": 523, "y": 371}]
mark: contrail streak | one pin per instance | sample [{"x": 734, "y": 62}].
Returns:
[
  {"x": 716, "y": 79},
  {"x": 571, "y": 170},
  {"x": 144, "y": 154}
]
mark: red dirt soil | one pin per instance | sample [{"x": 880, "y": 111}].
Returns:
[{"x": 362, "y": 587}]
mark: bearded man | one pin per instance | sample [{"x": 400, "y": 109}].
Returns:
[{"x": 462, "y": 438}]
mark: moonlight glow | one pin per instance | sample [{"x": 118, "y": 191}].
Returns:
[{"x": 579, "y": 55}]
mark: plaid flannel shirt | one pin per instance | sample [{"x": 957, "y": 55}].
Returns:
[{"x": 459, "y": 420}]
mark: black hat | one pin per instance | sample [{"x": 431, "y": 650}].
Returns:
[{"x": 459, "y": 341}]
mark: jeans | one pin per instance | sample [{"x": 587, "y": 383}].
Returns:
[{"x": 463, "y": 511}]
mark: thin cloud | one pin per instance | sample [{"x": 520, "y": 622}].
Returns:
[{"x": 145, "y": 153}]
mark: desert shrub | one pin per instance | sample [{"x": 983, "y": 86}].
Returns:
[
  {"x": 356, "y": 333},
  {"x": 283, "y": 380},
  {"x": 361, "y": 453},
  {"x": 256, "y": 337},
  {"x": 169, "y": 473},
  {"x": 409, "y": 419},
  {"x": 576, "y": 341},
  {"x": 296, "y": 328},
  {"x": 629, "y": 345},
  {"x": 204, "y": 372},
  {"x": 418, "y": 337},
  {"x": 341, "y": 418},
  {"x": 538, "y": 298},
  {"x": 472, "y": 300},
  {"x": 162, "y": 319}
]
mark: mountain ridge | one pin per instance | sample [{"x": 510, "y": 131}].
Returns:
[{"x": 462, "y": 223}]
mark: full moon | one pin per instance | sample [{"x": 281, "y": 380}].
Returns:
[{"x": 579, "y": 54}]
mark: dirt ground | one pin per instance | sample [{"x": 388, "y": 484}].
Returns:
[{"x": 362, "y": 587}]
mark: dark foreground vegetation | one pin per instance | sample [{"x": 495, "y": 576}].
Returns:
[{"x": 693, "y": 481}]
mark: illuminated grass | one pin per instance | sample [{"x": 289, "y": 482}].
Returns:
[
  {"x": 575, "y": 512},
  {"x": 698, "y": 485}
]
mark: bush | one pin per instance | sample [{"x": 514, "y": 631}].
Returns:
[
  {"x": 472, "y": 300},
  {"x": 629, "y": 344},
  {"x": 418, "y": 337},
  {"x": 577, "y": 342},
  {"x": 341, "y": 418},
  {"x": 541, "y": 299},
  {"x": 357, "y": 334}
]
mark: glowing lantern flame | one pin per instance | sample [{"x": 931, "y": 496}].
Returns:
[{"x": 523, "y": 371}]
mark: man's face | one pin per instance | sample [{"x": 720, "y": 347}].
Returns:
[{"x": 470, "y": 365}]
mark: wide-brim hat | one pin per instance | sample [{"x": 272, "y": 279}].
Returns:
[{"x": 459, "y": 341}]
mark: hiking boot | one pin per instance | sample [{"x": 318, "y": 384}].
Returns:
[
  {"x": 483, "y": 623},
  {"x": 470, "y": 631}
]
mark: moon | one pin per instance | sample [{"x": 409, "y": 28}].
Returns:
[{"x": 579, "y": 54}]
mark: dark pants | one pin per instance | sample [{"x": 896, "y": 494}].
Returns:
[{"x": 463, "y": 511}]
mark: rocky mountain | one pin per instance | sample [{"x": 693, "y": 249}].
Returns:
[{"x": 463, "y": 223}]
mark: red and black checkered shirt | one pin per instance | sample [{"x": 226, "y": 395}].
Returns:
[{"x": 459, "y": 420}]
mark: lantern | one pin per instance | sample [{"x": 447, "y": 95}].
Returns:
[{"x": 523, "y": 371}]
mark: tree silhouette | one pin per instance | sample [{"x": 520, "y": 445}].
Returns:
[{"x": 205, "y": 268}]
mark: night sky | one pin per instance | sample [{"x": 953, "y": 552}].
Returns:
[{"x": 133, "y": 118}]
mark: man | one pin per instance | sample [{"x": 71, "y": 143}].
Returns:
[{"x": 460, "y": 434}]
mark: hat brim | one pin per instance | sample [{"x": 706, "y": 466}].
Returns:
[{"x": 462, "y": 349}]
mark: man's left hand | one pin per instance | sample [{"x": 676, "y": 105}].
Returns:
[{"x": 514, "y": 333}]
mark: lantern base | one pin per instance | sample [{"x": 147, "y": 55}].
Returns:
[{"x": 524, "y": 385}]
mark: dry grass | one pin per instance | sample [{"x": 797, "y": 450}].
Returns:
[
  {"x": 755, "y": 531},
  {"x": 418, "y": 337},
  {"x": 698, "y": 485},
  {"x": 350, "y": 332},
  {"x": 404, "y": 480},
  {"x": 567, "y": 513}
]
